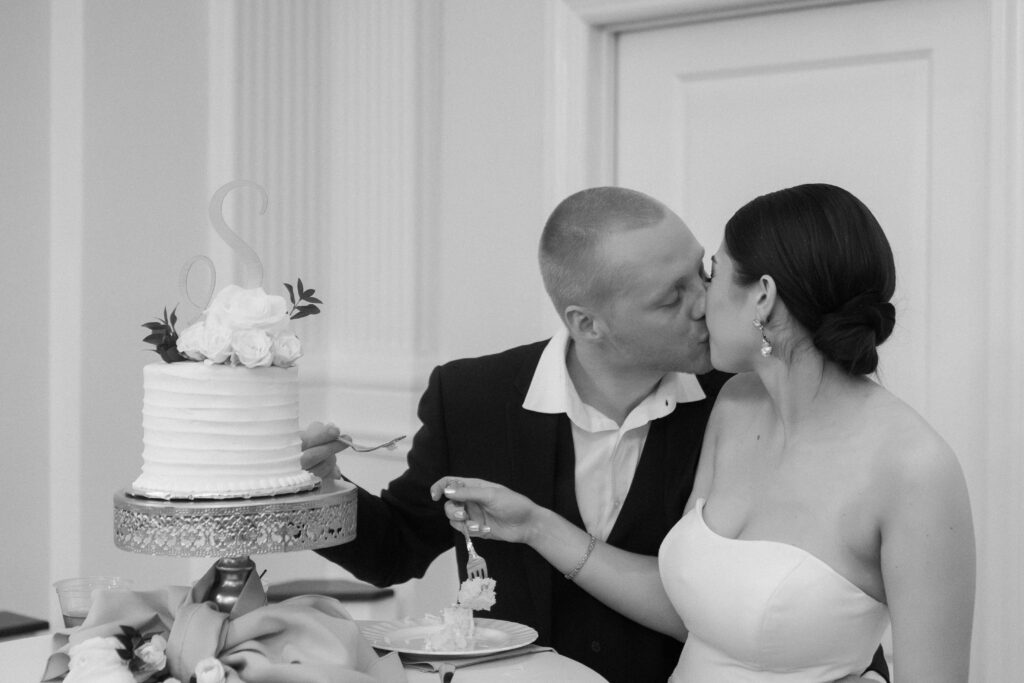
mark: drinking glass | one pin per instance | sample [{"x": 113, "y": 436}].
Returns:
[{"x": 75, "y": 595}]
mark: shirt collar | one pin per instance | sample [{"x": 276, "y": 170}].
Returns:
[{"x": 552, "y": 391}]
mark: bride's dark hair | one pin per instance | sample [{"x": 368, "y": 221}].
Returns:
[{"x": 831, "y": 263}]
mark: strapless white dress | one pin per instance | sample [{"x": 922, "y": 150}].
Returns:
[{"x": 763, "y": 611}]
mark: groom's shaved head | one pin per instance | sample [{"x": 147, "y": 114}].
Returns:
[{"x": 570, "y": 265}]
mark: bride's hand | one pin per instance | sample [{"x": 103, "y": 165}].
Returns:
[{"x": 487, "y": 509}]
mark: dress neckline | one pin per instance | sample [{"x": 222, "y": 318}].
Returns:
[{"x": 699, "y": 509}]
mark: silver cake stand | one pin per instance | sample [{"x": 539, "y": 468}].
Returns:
[{"x": 235, "y": 529}]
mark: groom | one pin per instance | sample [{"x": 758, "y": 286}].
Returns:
[{"x": 603, "y": 424}]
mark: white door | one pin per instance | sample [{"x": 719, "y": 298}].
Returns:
[{"x": 887, "y": 99}]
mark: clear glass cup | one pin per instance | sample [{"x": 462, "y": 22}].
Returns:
[{"x": 75, "y": 595}]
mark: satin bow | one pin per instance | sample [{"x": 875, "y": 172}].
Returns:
[{"x": 310, "y": 638}]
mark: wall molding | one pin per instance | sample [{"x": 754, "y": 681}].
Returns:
[
  {"x": 581, "y": 58},
  {"x": 335, "y": 109},
  {"x": 633, "y": 14},
  {"x": 67, "y": 31},
  {"x": 999, "y": 611}
]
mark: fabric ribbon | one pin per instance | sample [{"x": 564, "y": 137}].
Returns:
[{"x": 310, "y": 638}]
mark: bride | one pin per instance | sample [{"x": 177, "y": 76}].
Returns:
[{"x": 823, "y": 507}]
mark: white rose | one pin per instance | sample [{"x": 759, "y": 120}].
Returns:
[
  {"x": 252, "y": 348},
  {"x": 286, "y": 349},
  {"x": 215, "y": 345},
  {"x": 190, "y": 341},
  {"x": 98, "y": 644},
  {"x": 153, "y": 653},
  {"x": 209, "y": 670},
  {"x": 113, "y": 673},
  {"x": 96, "y": 660},
  {"x": 248, "y": 309}
]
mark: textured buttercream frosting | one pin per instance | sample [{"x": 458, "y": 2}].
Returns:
[{"x": 220, "y": 431}]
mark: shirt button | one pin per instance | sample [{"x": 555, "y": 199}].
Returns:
[{"x": 595, "y": 646}]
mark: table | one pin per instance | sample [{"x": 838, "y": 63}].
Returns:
[{"x": 23, "y": 659}]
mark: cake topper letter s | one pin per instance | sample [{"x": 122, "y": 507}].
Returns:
[
  {"x": 251, "y": 265},
  {"x": 253, "y": 269},
  {"x": 240, "y": 325}
]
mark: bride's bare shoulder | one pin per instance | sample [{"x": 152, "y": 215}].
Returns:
[
  {"x": 738, "y": 399},
  {"x": 908, "y": 448}
]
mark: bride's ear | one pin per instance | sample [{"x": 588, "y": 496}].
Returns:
[{"x": 765, "y": 296}]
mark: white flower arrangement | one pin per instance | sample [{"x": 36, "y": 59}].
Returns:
[
  {"x": 132, "y": 658},
  {"x": 241, "y": 326}
]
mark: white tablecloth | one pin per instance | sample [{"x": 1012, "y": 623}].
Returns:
[{"x": 22, "y": 661}]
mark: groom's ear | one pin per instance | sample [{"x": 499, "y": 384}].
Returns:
[{"x": 582, "y": 323}]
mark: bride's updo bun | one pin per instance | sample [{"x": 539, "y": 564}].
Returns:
[
  {"x": 832, "y": 265},
  {"x": 851, "y": 335}
]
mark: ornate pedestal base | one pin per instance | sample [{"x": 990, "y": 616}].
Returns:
[
  {"x": 235, "y": 529},
  {"x": 301, "y": 521}
]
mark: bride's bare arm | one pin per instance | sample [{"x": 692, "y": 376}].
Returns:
[
  {"x": 928, "y": 567},
  {"x": 627, "y": 582}
]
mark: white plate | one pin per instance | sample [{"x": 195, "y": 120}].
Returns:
[{"x": 410, "y": 637}]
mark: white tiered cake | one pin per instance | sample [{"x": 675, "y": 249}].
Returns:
[
  {"x": 220, "y": 431},
  {"x": 221, "y": 418}
]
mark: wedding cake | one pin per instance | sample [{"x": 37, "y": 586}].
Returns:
[{"x": 220, "y": 414}]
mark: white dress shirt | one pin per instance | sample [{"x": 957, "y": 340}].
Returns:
[{"x": 606, "y": 453}]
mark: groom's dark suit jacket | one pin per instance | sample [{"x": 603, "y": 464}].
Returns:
[{"x": 474, "y": 425}]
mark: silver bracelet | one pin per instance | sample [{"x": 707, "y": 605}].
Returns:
[{"x": 583, "y": 560}]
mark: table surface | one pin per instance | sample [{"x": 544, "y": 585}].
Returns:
[{"x": 23, "y": 659}]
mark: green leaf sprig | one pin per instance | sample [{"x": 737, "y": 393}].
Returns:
[
  {"x": 163, "y": 335},
  {"x": 298, "y": 309}
]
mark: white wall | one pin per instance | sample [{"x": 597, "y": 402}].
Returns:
[
  {"x": 144, "y": 160},
  {"x": 493, "y": 197},
  {"x": 24, "y": 274}
]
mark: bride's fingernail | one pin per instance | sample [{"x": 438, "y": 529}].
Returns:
[
  {"x": 459, "y": 514},
  {"x": 449, "y": 490},
  {"x": 485, "y": 529},
  {"x": 473, "y": 526}
]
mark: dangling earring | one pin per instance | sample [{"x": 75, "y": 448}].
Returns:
[{"x": 766, "y": 346}]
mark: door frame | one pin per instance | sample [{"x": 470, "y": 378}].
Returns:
[{"x": 580, "y": 93}]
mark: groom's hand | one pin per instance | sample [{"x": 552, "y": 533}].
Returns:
[{"x": 320, "y": 447}]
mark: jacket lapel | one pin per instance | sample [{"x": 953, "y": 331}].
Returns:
[
  {"x": 661, "y": 484},
  {"x": 645, "y": 492}
]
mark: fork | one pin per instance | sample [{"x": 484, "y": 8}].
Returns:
[
  {"x": 389, "y": 445},
  {"x": 476, "y": 566}
]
